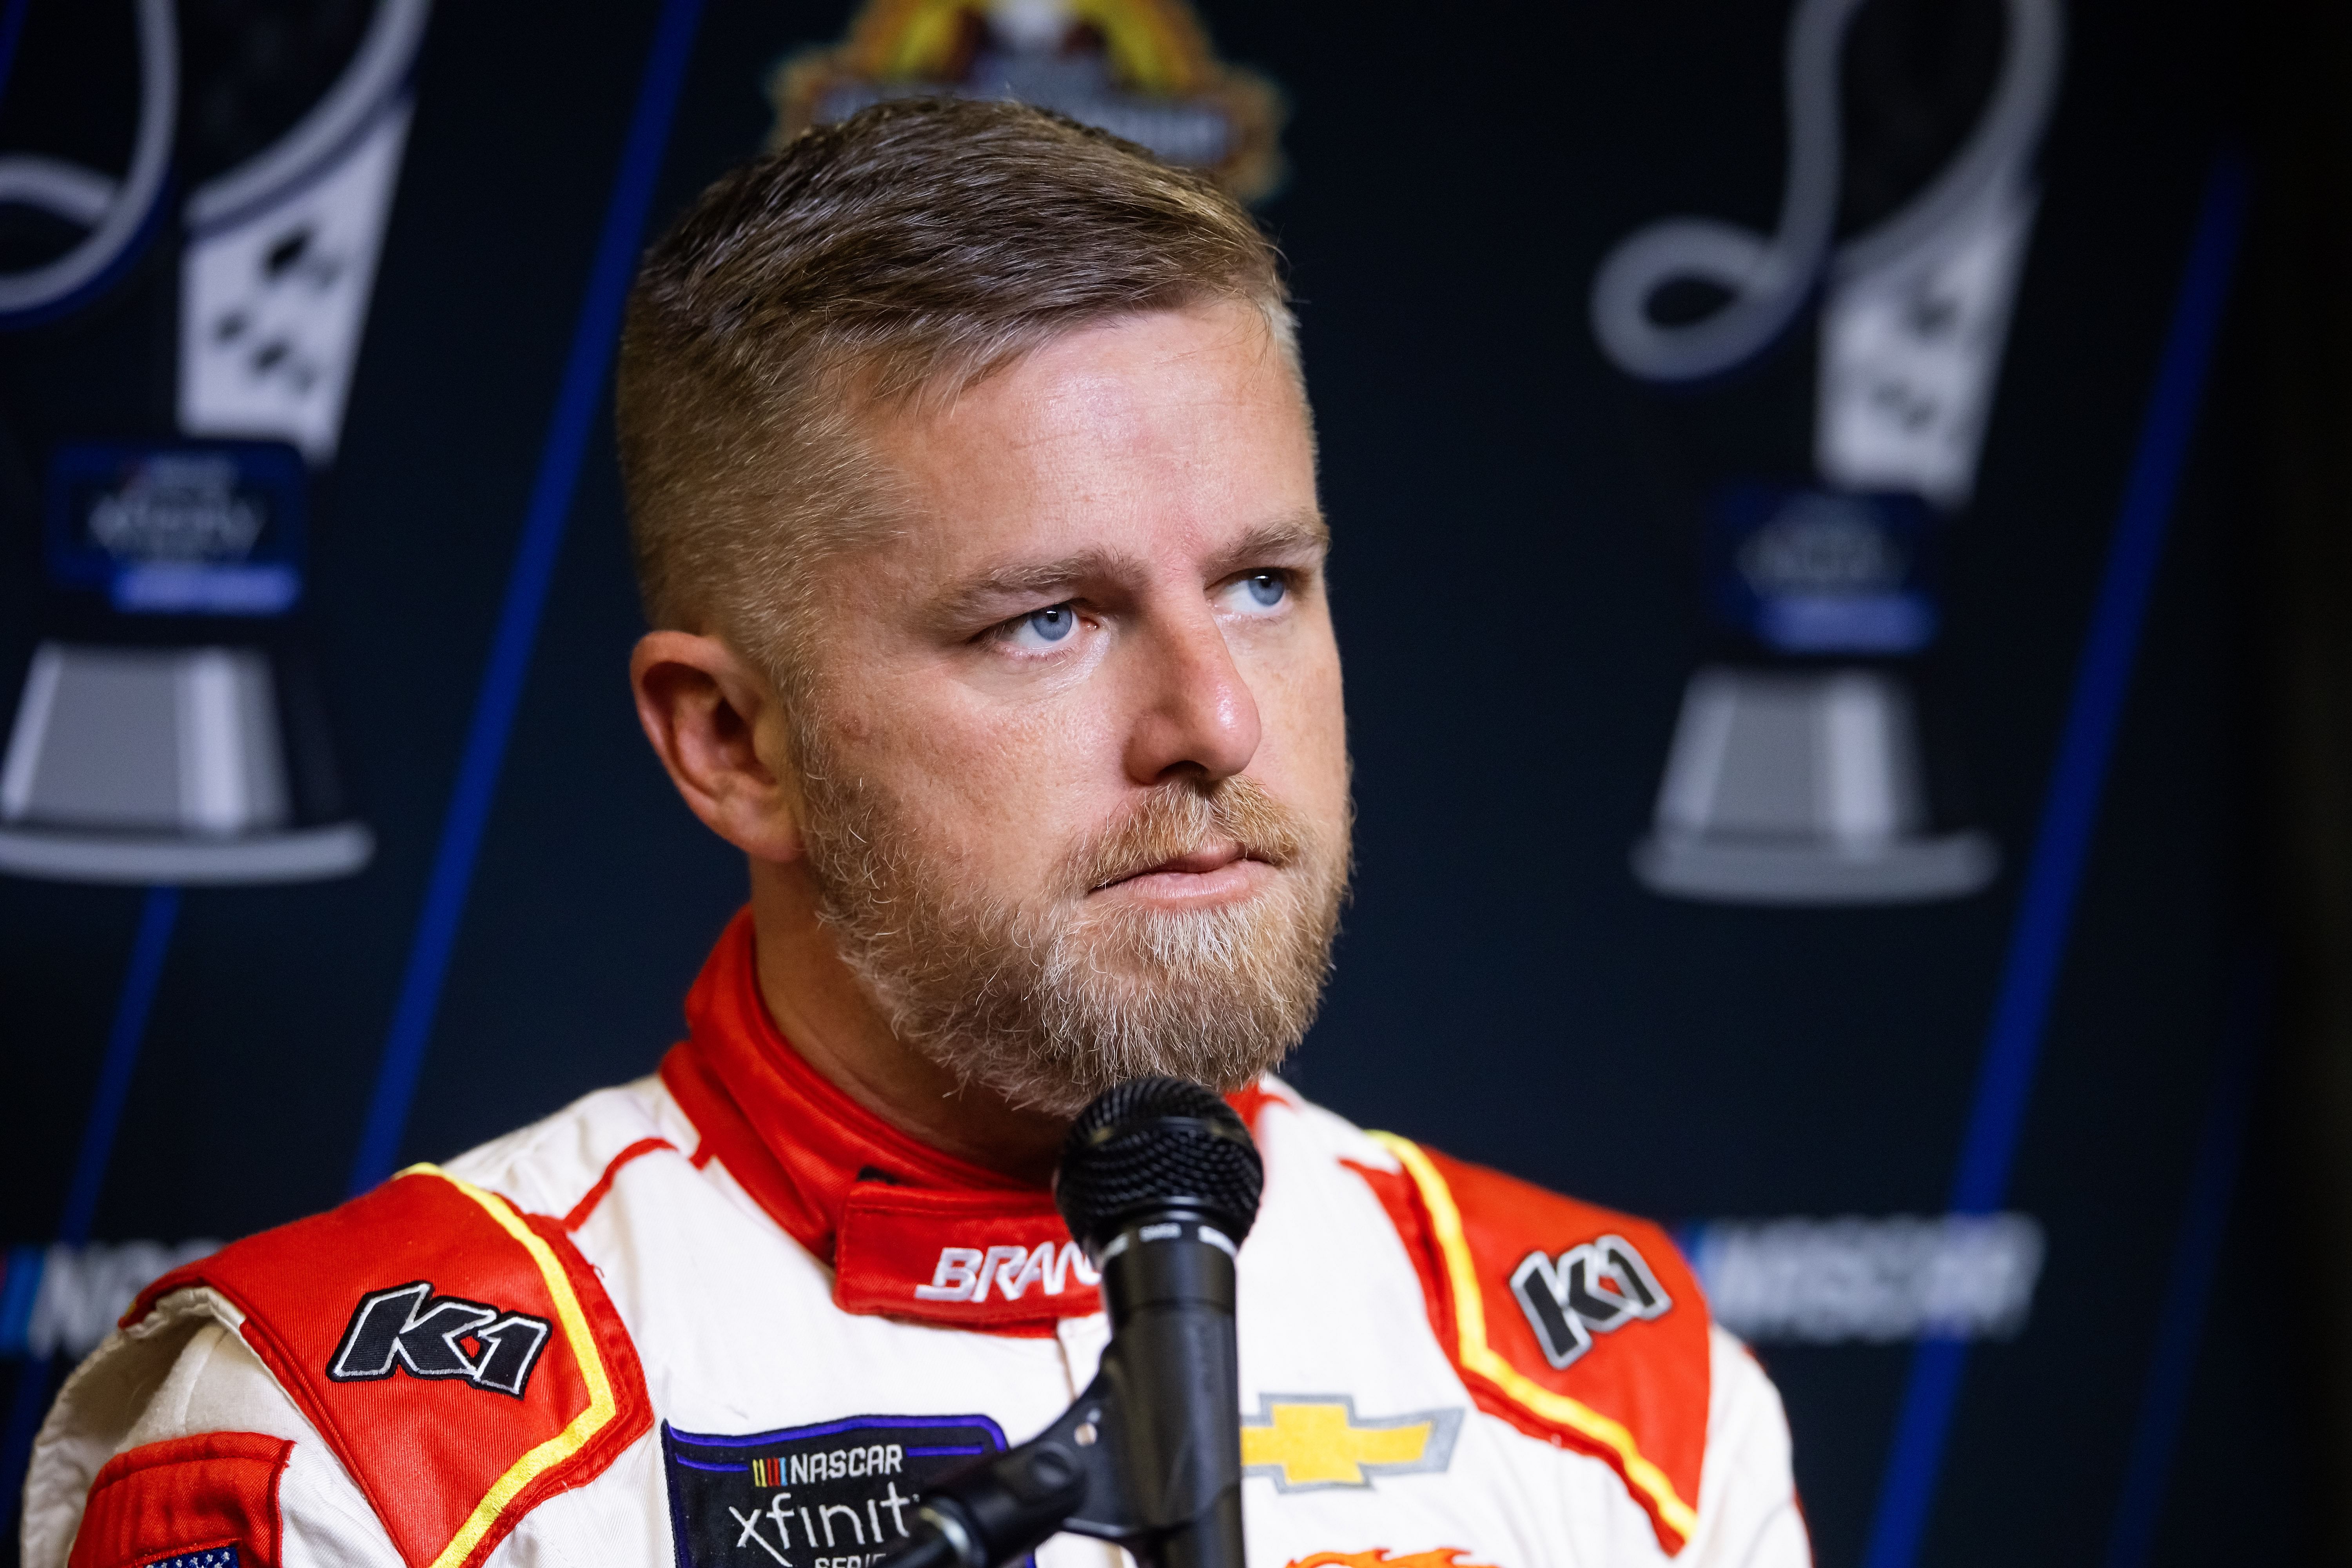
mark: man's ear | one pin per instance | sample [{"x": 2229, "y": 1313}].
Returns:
[{"x": 718, "y": 727}]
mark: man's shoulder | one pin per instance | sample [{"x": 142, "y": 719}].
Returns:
[
  {"x": 551, "y": 1165},
  {"x": 1454, "y": 1211},
  {"x": 454, "y": 1350},
  {"x": 1574, "y": 1323}
]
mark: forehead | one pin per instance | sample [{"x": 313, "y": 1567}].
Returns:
[{"x": 1156, "y": 432}]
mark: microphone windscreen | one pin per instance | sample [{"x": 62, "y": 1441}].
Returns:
[{"x": 1153, "y": 1144}]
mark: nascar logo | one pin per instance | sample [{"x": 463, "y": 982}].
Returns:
[{"x": 830, "y": 1464}]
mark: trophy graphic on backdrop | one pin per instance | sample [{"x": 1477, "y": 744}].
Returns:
[
  {"x": 1795, "y": 774},
  {"x": 1142, "y": 70},
  {"x": 169, "y": 728}
]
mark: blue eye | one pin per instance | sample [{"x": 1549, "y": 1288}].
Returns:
[
  {"x": 1264, "y": 590},
  {"x": 1044, "y": 629}
]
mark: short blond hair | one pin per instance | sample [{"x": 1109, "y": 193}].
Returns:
[{"x": 916, "y": 247}]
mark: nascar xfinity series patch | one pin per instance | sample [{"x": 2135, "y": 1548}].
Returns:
[{"x": 836, "y": 1495}]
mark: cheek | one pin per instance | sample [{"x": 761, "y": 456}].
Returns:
[
  {"x": 1003, "y": 788},
  {"x": 1303, "y": 717}
]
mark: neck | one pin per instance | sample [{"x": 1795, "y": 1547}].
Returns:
[{"x": 828, "y": 1016}]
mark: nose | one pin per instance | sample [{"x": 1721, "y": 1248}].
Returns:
[{"x": 1197, "y": 714}]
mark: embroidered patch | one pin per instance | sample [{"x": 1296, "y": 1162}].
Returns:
[
  {"x": 1604, "y": 1284},
  {"x": 840, "y": 1494},
  {"x": 411, "y": 1329},
  {"x": 1305, "y": 1442},
  {"x": 204, "y": 1501},
  {"x": 1378, "y": 1557},
  {"x": 211, "y": 1557}
]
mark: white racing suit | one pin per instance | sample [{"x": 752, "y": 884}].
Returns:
[{"x": 725, "y": 1318}]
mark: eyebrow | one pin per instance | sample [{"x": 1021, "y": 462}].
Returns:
[{"x": 1303, "y": 534}]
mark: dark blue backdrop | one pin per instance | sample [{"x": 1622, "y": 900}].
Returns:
[{"x": 1517, "y": 608}]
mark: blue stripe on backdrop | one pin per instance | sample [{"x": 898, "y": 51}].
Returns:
[
  {"x": 157, "y": 915},
  {"x": 2069, "y": 812},
  {"x": 576, "y": 404},
  {"x": 2196, "y": 1258},
  {"x": 12, "y": 27},
  {"x": 17, "y": 1292},
  {"x": 156, "y": 919}
]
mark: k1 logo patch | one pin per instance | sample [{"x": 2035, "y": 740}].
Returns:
[
  {"x": 1599, "y": 1285},
  {"x": 840, "y": 1494},
  {"x": 410, "y": 1329}
]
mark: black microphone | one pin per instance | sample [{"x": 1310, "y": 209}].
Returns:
[{"x": 1160, "y": 1183}]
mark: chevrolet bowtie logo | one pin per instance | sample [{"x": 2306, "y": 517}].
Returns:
[{"x": 1304, "y": 1441}]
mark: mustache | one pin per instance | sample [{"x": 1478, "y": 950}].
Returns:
[{"x": 1176, "y": 819}]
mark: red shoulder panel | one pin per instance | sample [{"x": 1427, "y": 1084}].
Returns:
[
  {"x": 1574, "y": 1323},
  {"x": 189, "y": 1497},
  {"x": 459, "y": 1355}
]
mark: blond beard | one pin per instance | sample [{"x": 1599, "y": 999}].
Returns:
[{"x": 1049, "y": 1001}]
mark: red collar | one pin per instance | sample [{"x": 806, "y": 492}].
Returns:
[{"x": 911, "y": 1232}]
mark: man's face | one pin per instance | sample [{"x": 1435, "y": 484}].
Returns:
[{"x": 1076, "y": 766}]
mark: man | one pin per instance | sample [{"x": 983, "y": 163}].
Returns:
[{"x": 971, "y": 479}]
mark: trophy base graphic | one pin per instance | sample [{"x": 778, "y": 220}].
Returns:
[
  {"x": 159, "y": 765},
  {"x": 1801, "y": 787}
]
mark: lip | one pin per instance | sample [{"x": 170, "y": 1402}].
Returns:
[
  {"x": 1208, "y": 874},
  {"x": 1197, "y": 863}
]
